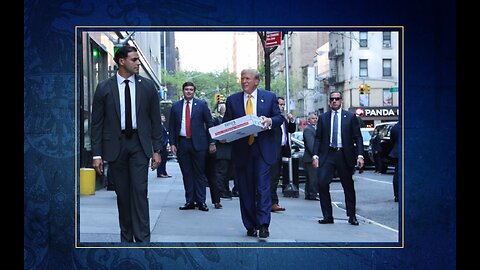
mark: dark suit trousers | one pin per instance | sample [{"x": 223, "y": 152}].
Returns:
[
  {"x": 192, "y": 165},
  {"x": 222, "y": 175},
  {"x": 277, "y": 169},
  {"x": 275, "y": 178},
  {"x": 311, "y": 183},
  {"x": 395, "y": 179},
  {"x": 211, "y": 174},
  {"x": 162, "y": 168},
  {"x": 131, "y": 186},
  {"x": 254, "y": 186},
  {"x": 336, "y": 160}
]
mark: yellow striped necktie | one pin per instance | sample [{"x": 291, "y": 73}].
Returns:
[{"x": 249, "y": 110}]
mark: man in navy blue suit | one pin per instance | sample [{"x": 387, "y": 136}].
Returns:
[
  {"x": 338, "y": 146},
  {"x": 191, "y": 116},
  {"x": 252, "y": 157}
]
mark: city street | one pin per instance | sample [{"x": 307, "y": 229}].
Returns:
[{"x": 377, "y": 213}]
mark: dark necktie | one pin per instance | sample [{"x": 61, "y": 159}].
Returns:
[
  {"x": 188, "y": 131},
  {"x": 128, "y": 111},
  {"x": 335, "y": 130}
]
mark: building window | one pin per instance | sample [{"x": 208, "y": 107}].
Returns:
[
  {"x": 387, "y": 97},
  {"x": 363, "y": 68},
  {"x": 363, "y": 39},
  {"x": 305, "y": 77},
  {"x": 387, "y": 39},
  {"x": 363, "y": 100},
  {"x": 387, "y": 67}
]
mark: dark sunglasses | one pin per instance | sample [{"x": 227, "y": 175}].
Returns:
[{"x": 335, "y": 98}]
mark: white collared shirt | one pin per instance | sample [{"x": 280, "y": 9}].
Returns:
[
  {"x": 339, "y": 137},
  {"x": 183, "y": 130},
  {"x": 284, "y": 134},
  {"x": 253, "y": 98},
  {"x": 121, "y": 95}
]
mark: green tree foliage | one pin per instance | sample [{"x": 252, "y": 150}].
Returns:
[
  {"x": 207, "y": 84},
  {"x": 278, "y": 83}
]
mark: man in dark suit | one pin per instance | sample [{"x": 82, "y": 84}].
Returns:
[
  {"x": 223, "y": 161},
  {"x": 191, "y": 116},
  {"x": 253, "y": 155},
  {"x": 126, "y": 132},
  {"x": 211, "y": 174},
  {"x": 394, "y": 154},
  {"x": 283, "y": 143},
  {"x": 162, "y": 169},
  {"x": 338, "y": 145},
  {"x": 311, "y": 189},
  {"x": 376, "y": 147}
]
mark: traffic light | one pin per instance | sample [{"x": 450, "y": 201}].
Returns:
[
  {"x": 367, "y": 89},
  {"x": 222, "y": 99},
  {"x": 95, "y": 52},
  {"x": 217, "y": 98},
  {"x": 362, "y": 89}
]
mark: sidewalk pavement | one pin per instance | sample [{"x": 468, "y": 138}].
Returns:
[{"x": 299, "y": 223}]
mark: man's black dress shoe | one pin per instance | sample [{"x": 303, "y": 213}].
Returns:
[
  {"x": 217, "y": 205},
  {"x": 326, "y": 221},
  {"x": 353, "y": 220},
  {"x": 263, "y": 233},
  {"x": 252, "y": 232},
  {"x": 202, "y": 207},
  {"x": 187, "y": 206}
]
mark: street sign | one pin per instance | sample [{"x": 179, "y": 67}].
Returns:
[
  {"x": 393, "y": 89},
  {"x": 273, "y": 39}
]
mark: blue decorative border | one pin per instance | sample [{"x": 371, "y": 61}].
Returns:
[{"x": 49, "y": 119}]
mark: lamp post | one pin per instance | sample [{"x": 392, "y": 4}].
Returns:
[{"x": 291, "y": 190}]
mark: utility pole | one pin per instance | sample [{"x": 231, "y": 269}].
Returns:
[
  {"x": 291, "y": 190},
  {"x": 267, "y": 51}
]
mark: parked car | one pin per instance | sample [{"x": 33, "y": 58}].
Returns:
[
  {"x": 298, "y": 148},
  {"x": 385, "y": 143},
  {"x": 367, "y": 135},
  {"x": 298, "y": 135}
]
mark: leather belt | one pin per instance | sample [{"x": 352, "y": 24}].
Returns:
[
  {"x": 335, "y": 149},
  {"x": 183, "y": 137}
]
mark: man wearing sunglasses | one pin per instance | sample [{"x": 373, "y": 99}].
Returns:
[{"x": 338, "y": 146}]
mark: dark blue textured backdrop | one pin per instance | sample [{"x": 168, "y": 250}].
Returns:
[{"x": 49, "y": 123}]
